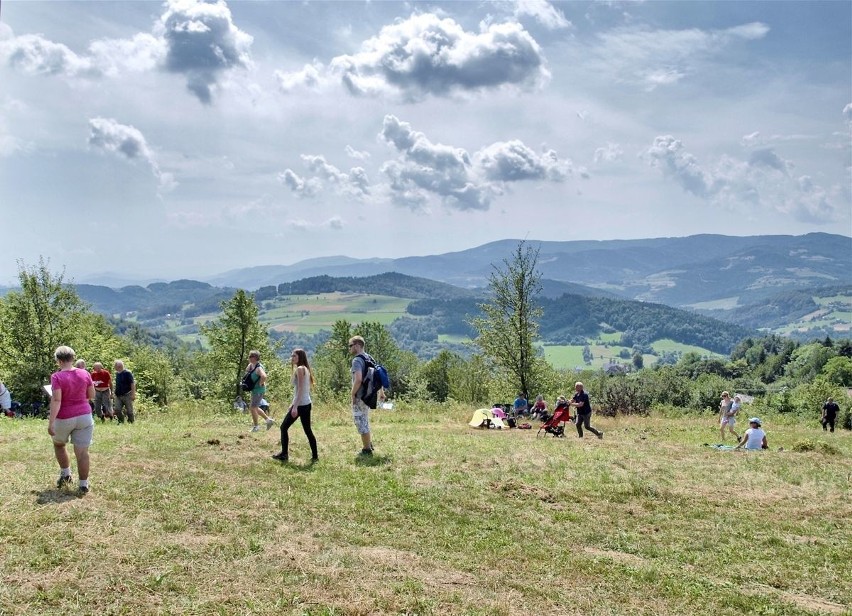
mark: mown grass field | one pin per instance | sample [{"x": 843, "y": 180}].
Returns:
[{"x": 189, "y": 515}]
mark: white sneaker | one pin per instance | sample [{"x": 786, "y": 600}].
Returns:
[
  {"x": 269, "y": 423},
  {"x": 255, "y": 429}
]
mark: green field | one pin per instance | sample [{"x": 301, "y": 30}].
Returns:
[
  {"x": 188, "y": 514},
  {"x": 567, "y": 357}
]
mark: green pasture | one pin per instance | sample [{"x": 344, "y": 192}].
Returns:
[
  {"x": 312, "y": 313},
  {"x": 188, "y": 514}
]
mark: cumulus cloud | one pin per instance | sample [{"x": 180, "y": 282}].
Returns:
[
  {"x": 35, "y": 55},
  {"x": 511, "y": 161},
  {"x": 426, "y": 170},
  {"x": 202, "y": 43},
  {"x": 847, "y": 114},
  {"x": 765, "y": 179},
  {"x": 354, "y": 184},
  {"x": 303, "y": 187},
  {"x": 310, "y": 77},
  {"x": 428, "y": 55},
  {"x": 543, "y": 12},
  {"x": 357, "y": 154},
  {"x": 127, "y": 142},
  {"x": 195, "y": 38},
  {"x": 611, "y": 152}
]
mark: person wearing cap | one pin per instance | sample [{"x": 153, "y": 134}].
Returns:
[
  {"x": 754, "y": 437},
  {"x": 727, "y": 415}
]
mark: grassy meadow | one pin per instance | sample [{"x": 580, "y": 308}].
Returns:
[{"x": 188, "y": 514}]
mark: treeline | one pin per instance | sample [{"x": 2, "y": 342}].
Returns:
[
  {"x": 392, "y": 284},
  {"x": 573, "y": 317},
  {"x": 781, "y": 374}
]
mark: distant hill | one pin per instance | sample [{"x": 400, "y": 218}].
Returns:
[
  {"x": 392, "y": 283},
  {"x": 158, "y": 298},
  {"x": 674, "y": 271}
]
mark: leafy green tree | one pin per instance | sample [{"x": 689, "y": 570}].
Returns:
[
  {"x": 470, "y": 380},
  {"x": 231, "y": 337},
  {"x": 838, "y": 371},
  {"x": 807, "y": 361},
  {"x": 509, "y": 327},
  {"x": 43, "y": 315},
  {"x": 437, "y": 373},
  {"x": 331, "y": 362}
]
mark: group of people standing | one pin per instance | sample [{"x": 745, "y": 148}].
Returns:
[{"x": 76, "y": 396}]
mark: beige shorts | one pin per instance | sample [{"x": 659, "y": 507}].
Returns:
[
  {"x": 361, "y": 417},
  {"x": 78, "y": 429}
]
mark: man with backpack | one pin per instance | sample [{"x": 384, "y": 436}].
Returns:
[{"x": 360, "y": 409}]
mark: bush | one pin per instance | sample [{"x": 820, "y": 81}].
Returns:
[{"x": 818, "y": 446}]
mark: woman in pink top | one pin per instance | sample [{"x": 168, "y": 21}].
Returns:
[{"x": 71, "y": 416}]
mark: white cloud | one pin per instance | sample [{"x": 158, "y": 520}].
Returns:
[
  {"x": 511, "y": 161},
  {"x": 611, "y": 152},
  {"x": 35, "y": 55},
  {"x": 543, "y": 12},
  {"x": 357, "y": 154},
  {"x": 127, "y": 142},
  {"x": 354, "y": 184},
  {"x": 310, "y": 77},
  {"x": 194, "y": 38},
  {"x": 847, "y": 114},
  {"x": 653, "y": 58},
  {"x": 461, "y": 181},
  {"x": 427, "y": 55},
  {"x": 764, "y": 180},
  {"x": 202, "y": 42}
]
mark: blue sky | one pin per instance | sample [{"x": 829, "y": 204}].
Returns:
[{"x": 183, "y": 139}]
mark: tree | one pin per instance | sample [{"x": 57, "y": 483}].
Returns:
[
  {"x": 33, "y": 322},
  {"x": 509, "y": 326},
  {"x": 231, "y": 337}
]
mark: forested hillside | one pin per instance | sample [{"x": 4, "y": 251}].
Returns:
[{"x": 393, "y": 284}]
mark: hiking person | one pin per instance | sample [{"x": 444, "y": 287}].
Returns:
[
  {"x": 71, "y": 417},
  {"x": 102, "y": 381},
  {"x": 125, "y": 392},
  {"x": 520, "y": 405},
  {"x": 727, "y": 415},
  {"x": 258, "y": 377},
  {"x": 360, "y": 410},
  {"x": 539, "y": 409},
  {"x": 754, "y": 437},
  {"x": 829, "y": 414},
  {"x": 303, "y": 379},
  {"x": 580, "y": 401}
]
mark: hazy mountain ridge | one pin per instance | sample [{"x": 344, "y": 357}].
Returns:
[{"x": 674, "y": 271}]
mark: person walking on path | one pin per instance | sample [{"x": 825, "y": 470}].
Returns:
[
  {"x": 71, "y": 417},
  {"x": 125, "y": 392},
  {"x": 727, "y": 415},
  {"x": 303, "y": 379},
  {"x": 829, "y": 414},
  {"x": 102, "y": 381},
  {"x": 580, "y": 401},
  {"x": 360, "y": 410},
  {"x": 258, "y": 376}
]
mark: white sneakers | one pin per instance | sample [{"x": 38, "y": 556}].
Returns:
[{"x": 269, "y": 423}]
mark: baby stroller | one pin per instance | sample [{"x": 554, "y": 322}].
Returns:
[{"x": 556, "y": 424}]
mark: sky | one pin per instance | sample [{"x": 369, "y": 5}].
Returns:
[{"x": 181, "y": 139}]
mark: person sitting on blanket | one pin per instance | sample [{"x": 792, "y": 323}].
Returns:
[{"x": 754, "y": 437}]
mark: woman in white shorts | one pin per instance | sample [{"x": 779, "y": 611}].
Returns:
[
  {"x": 728, "y": 415},
  {"x": 71, "y": 417}
]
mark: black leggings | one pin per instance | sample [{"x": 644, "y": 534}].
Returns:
[
  {"x": 585, "y": 419},
  {"x": 305, "y": 415}
]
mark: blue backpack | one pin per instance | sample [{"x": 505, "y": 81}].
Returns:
[{"x": 374, "y": 378}]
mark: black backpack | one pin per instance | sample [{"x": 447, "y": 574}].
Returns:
[
  {"x": 248, "y": 383},
  {"x": 373, "y": 378}
]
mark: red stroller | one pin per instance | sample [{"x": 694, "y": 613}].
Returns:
[{"x": 556, "y": 424}]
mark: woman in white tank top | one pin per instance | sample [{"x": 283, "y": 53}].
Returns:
[{"x": 302, "y": 381}]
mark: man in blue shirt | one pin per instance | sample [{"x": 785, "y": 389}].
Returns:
[
  {"x": 125, "y": 392},
  {"x": 521, "y": 405}
]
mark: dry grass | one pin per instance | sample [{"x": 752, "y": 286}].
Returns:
[{"x": 189, "y": 515}]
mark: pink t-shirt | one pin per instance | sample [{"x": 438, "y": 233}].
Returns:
[{"x": 74, "y": 385}]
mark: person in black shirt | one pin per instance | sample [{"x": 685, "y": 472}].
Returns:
[
  {"x": 584, "y": 410},
  {"x": 829, "y": 414}
]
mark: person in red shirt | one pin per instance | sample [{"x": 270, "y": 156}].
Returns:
[{"x": 102, "y": 380}]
